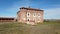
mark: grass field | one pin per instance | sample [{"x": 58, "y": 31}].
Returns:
[{"x": 19, "y": 28}]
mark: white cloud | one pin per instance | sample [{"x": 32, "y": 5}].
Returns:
[
  {"x": 48, "y": 13},
  {"x": 52, "y": 13}
]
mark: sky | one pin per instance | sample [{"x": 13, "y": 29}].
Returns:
[{"x": 9, "y": 8}]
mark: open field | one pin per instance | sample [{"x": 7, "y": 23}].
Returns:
[{"x": 19, "y": 28}]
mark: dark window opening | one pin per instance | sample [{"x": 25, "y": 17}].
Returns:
[
  {"x": 28, "y": 19},
  {"x": 28, "y": 14}
]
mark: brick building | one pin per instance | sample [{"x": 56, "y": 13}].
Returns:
[
  {"x": 30, "y": 15},
  {"x": 7, "y": 19}
]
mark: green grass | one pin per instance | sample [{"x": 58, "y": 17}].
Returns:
[{"x": 40, "y": 28}]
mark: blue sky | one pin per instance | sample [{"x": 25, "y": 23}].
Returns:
[{"x": 9, "y": 8}]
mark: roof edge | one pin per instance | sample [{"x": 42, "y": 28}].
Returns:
[{"x": 31, "y": 9}]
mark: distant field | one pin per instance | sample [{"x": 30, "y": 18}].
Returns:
[{"x": 19, "y": 28}]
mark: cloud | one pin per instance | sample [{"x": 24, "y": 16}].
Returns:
[
  {"x": 49, "y": 13},
  {"x": 52, "y": 13}
]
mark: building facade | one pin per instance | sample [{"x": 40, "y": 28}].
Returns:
[{"x": 30, "y": 15}]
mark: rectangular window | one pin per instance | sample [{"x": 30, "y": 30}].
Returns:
[
  {"x": 28, "y": 14},
  {"x": 28, "y": 19},
  {"x": 39, "y": 15},
  {"x": 34, "y": 14}
]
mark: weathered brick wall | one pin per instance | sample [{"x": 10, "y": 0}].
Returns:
[{"x": 22, "y": 16}]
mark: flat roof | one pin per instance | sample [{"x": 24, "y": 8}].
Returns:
[{"x": 7, "y": 17}]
